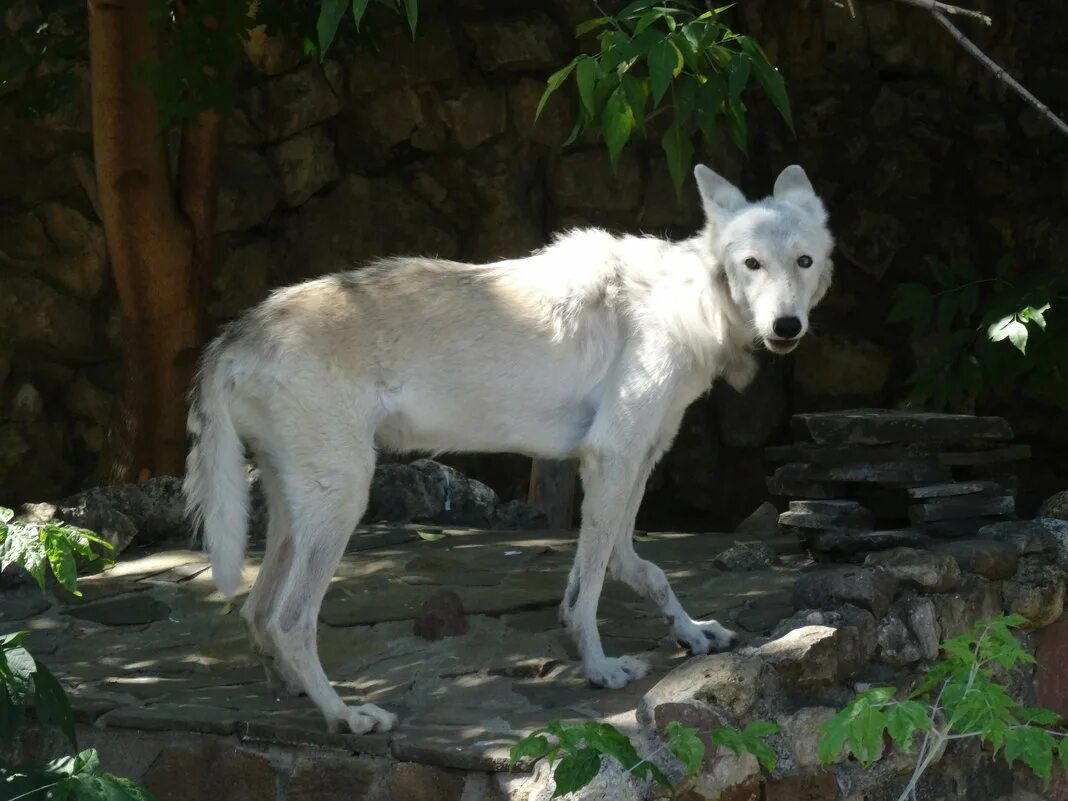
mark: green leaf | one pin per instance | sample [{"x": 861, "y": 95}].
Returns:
[
  {"x": 430, "y": 536},
  {"x": 770, "y": 79},
  {"x": 647, "y": 19},
  {"x": 914, "y": 303},
  {"x": 591, "y": 25},
  {"x": 969, "y": 301},
  {"x": 679, "y": 152},
  {"x": 1034, "y": 747},
  {"x": 663, "y": 60},
  {"x": 737, "y": 125},
  {"x": 330, "y": 15},
  {"x": 943, "y": 273},
  {"x": 586, "y": 75},
  {"x": 411, "y": 13},
  {"x": 617, "y": 122},
  {"x": 738, "y": 77},
  {"x": 6, "y": 514},
  {"x": 61, "y": 560},
  {"x": 554, "y": 83},
  {"x": 1018, "y": 334},
  {"x": 637, "y": 93},
  {"x": 903, "y": 720},
  {"x": 686, "y": 746},
  {"x": 51, "y": 704},
  {"x": 575, "y": 771},
  {"x": 947, "y": 308},
  {"x": 685, "y": 98},
  {"x": 534, "y": 746},
  {"x": 359, "y": 8}
]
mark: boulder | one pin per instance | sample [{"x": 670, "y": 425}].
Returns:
[
  {"x": 924, "y": 570},
  {"x": 746, "y": 556},
  {"x": 441, "y": 615},
  {"x": 1055, "y": 505},
  {"x": 523, "y": 44},
  {"x": 427, "y": 491},
  {"x": 296, "y": 100},
  {"x": 975, "y": 599},
  {"x": 802, "y": 731},
  {"x": 762, "y": 520},
  {"x": 732, "y": 682},
  {"x": 868, "y": 588},
  {"x": 1023, "y": 536},
  {"x": 882, "y": 426},
  {"x": 812, "y": 656},
  {"x": 108, "y": 523},
  {"x": 992, "y": 559},
  {"x": 1037, "y": 593},
  {"x": 305, "y": 163}
]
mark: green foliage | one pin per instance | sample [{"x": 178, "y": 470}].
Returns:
[
  {"x": 37, "y": 45},
  {"x": 332, "y": 13},
  {"x": 71, "y": 778},
  {"x": 961, "y": 697},
  {"x": 40, "y": 547},
  {"x": 993, "y": 336},
  {"x": 671, "y": 59},
  {"x": 584, "y": 744},
  {"x": 26, "y": 683}
]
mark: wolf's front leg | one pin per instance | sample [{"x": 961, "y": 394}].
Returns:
[{"x": 612, "y": 490}]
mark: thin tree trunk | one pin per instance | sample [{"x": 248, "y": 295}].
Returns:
[
  {"x": 159, "y": 259},
  {"x": 552, "y": 489}
]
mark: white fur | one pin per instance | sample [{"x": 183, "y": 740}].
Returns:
[{"x": 591, "y": 348}]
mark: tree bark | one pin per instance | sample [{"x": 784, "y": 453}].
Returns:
[{"x": 160, "y": 256}]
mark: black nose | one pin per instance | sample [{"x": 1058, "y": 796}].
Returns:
[{"x": 786, "y": 327}]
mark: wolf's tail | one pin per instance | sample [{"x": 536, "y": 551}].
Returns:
[{"x": 216, "y": 484}]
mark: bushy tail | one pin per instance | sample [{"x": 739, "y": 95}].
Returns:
[{"x": 216, "y": 483}]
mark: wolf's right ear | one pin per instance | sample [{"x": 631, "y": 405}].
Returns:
[{"x": 718, "y": 195}]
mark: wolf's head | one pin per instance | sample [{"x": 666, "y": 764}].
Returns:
[{"x": 774, "y": 254}]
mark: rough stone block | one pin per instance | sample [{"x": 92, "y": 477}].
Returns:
[
  {"x": 921, "y": 569},
  {"x": 1037, "y": 594},
  {"x": 953, "y": 489},
  {"x": 731, "y": 681},
  {"x": 441, "y": 615},
  {"x": 820, "y": 514},
  {"x": 802, "y": 732},
  {"x": 962, "y": 507},
  {"x": 869, "y": 589},
  {"x": 887, "y": 427},
  {"x": 975, "y": 599},
  {"x": 529, "y": 44},
  {"x": 901, "y": 472},
  {"x": 211, "y": 769},
  {"x": 811, "y": 656},
  {"x": 982, "y": 458},
  {"x": 991, "y": 559},
  {"x": 811, "y": 787},
  {"x": 849, "y": 543},
  {"x": 1025, "y": 536},
  {"x": 809, "y": 453}
]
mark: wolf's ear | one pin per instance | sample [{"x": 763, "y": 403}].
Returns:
[
  {"x": 793, "y": 186},
  {"x": 718, "y": 195}
]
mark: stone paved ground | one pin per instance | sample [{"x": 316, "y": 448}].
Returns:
[{"x": 150, "y": 646}]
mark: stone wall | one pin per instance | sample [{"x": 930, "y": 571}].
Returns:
[{"x": 395, "y": 146}]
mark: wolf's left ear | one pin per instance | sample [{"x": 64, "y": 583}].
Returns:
[
  {"x": 718, "y": 195},
  {"x": 793, "y": 186}
]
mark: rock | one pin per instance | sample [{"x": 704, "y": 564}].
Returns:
[
  {"x": 394, "y": 114},
  {"x": 130, "y": 610},
  {"x": 516, "y": 514},
  {"x": 819, "y": 514},
  {"x": 924, "y": 570},
  {"x": 1037, "y": 594},
  {"x": 1025, "y": 536},
  {"x": 869, "y": 589},
  {"x": 305, "y": 163},
  {"x": 156, "y": 508},
  {"x": 80, "y": 263},
  {"x": 747, "y": 419},
  {"x": 746, "y": 556},
  {"x": 952, "y": 489},
  {"x": 922, "y": 618},
  {"x": 990, "y": 559},
  {"x": 107, "y": 523},
  {"x": 730, "y": 681},
  {"x": 961, "y": 508},
  {"x": 881, "y": 426},
  {"x": 557, "y": 117},
  {"x": 861, "y": 473},
  {"x": 1055, "y": 505},
  {"x": 850, "y": 543},
  {"x": 207, "y": 767},
  {"x": 763, "y": 520},
  {"x": 27, "y": 403},
  {"x": 477, "y": 115},
  {"x": 34, "y": 316},
  {"x": 802, "y": 731},
  {"x": 897, "y": 646},
  {"x": 1057, "y": 531},
  {"x": 244, "y": 276},
  {"x": 811, "y": 656},
  {"x": 975, "y": 599},
  {"x": 249, "y": 190},
  {"x": 415, "y": 782},
  {"x": 87, "y": 401},
  {"x": 426, "y": 490},
  {"x": 441, "y": 615},
  {"x": 612, "y": 783},
  {"x": 529, "y": 44},
  {"x": 981, "y": 458},
  {"x": 871, "y": 240},
  {"x": 585, "y": 181},
  {"x": 294, "y": 101},
  {"x": 826, "y": 365}
]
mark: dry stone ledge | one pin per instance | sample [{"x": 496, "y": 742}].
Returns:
[
  {"x": 871, "y": 589},
  {"x": 887, "y": 427},
  {"x": 924, "y": 570}
]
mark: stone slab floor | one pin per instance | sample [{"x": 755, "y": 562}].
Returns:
[{"x": 151, "y": 647}]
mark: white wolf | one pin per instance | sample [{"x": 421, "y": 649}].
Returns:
[{"x": 592, "y": 348}]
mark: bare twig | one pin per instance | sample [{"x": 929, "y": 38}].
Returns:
[
  {"x": 991, "y": 65},
  {"x": 935, "y": 7}
]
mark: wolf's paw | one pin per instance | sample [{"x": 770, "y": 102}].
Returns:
[
  {"x": 616, "y": 672},
  {"x": 362, "y": 719},
  {"x": 704, "y": 636}
]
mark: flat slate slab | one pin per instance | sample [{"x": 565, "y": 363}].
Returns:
[
  {"x": 903, "y": 472},
  {"x": 963, "y": 507},
  {"x": 888, "y": 427},
  {"x": 154, "y": 648}
]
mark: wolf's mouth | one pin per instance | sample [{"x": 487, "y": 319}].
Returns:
[{"x": 780, "y": 346}]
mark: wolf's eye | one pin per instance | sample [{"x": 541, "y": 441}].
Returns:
[
  {"x": 752, "y": 263},
  {"x": 804, "y": 261}
]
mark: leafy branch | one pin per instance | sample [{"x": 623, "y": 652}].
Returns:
[
  {"x": 970, "y": 703},
  {"x": 671, "y": 58},
  {"x": 584, "y": 744},
  {"x": 53, "y": 546}
]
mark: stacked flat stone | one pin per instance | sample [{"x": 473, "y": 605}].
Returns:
[{"x": 869, "y": 479}]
